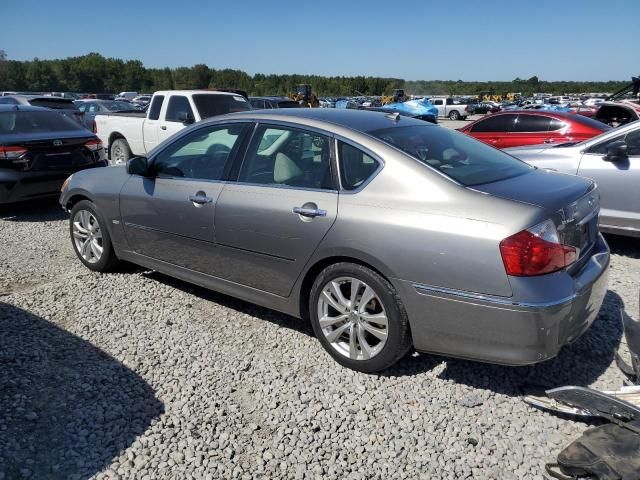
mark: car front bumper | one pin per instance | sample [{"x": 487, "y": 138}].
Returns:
[
  {"x": 17, "y": 186},
  {"x": 500, "y": 329}
]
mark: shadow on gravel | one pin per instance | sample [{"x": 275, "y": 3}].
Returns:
[
  {"x": 580, "y": 363},
  {"x": 627, "y": 246},
  {"x": 277, "y": 318},
  {"x": 66, "y": 407},
  {"x": 42, "y": 210}
]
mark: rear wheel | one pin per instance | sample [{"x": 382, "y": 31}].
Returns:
[
  {"x": 454, "y": 115},
  {"x": 120, "y": 152},
  {"x": 90, "y": 238},
  {"x": 358, "y": 317}
]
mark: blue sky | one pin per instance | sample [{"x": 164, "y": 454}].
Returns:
[{"x": 412, "y": 39}]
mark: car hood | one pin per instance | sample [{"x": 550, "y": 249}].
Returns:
[{"x": 549, "y": 190}]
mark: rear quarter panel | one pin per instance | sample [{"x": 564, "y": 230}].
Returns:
[{"x": 111, "y": 125}]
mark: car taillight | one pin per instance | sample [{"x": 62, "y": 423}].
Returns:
[
  {"x": 12, "y": 153},
  {"x": 94, "y": 127},
  {"x": 93, "y": 145},
  {"x": 536, "y": 251}
]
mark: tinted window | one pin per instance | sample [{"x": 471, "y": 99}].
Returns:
[
  {"x": 532, "y": 123},
  {"x": 494, "y": 123},
  {"x": 288, "y": 104},
  {"x": 456, "y": 155},
  {"x": 35, "y": 122},
  {"x": 212, "y": 105},
  {"x": 355, "y": 166},
  {"x": 54, "y": 103},
  {"x": 291, "y": 157},
  {"x": 436, "y": 102},
  {"x": 178, "y": 108},
  {"x": 632, "y": 139},
  {"x": 556, "y": 124},
  {"x": 94, "y": 107},
  {"x": 156, "y": 106},
  {"x": 9, "y": 100},
  {"x": 203, "y": 154},
  {"x": 257, "y": 103},
  {"x": 83, "y": 106}
]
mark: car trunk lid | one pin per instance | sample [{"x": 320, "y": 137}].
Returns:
[{"x": 573, "y": 203}]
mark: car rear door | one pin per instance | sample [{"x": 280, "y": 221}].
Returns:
[
  {"x": 177, "y": 106},
  {"x": 169, "y": 214},
  {"x": 618, "y": 181},
  {"x": 270, "y": 221},
  {"x": 151, "y": 123}
]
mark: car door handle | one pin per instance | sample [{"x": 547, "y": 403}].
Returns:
[
  {"x": 548, "y": 140},
  {"x": 163, "y": 127},
  {"x": 310, "y": 212},
  {"x": 200, "y": 199}
]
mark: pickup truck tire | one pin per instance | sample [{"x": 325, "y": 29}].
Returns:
[
  {"x": 454, "y": 115},
  {"x": 119, "y": 152}
]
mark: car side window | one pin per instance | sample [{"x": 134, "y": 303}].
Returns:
[
  {"x": 256, "y": 103},
  {"x": 532, "y": 123},
  {"x": 356, "y": 167},
  {"x": 178, "y": 108},
  {"x": 82, "y": 107},
  {"x": 633, "y": 143},
  {"x": 601, "y": 148},
  {"x": 94, "y": 108},
  {"x": 156, "y": 106},
  {"x": 203, "y": 154},
  {"x": 436, "y": 102},
  {"x": 287, "y": 156},
  {"x": 494, "y": 123}
]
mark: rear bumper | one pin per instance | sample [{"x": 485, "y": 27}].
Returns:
[
  {"x": 503, "y": 330},
  {"x": 16, "y": 186}
]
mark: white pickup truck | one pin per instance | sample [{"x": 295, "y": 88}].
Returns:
[
  {"x": 451, "y": 108},
  {"x": 129, "y": 134}
]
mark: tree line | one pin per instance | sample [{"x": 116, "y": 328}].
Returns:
[{"x": 93, "y": 73}]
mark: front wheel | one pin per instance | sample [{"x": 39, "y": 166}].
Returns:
[
  {"x": 454, "y": 115},
  {"x": 358, "y": 318},
  {"x": 120, "y": 152},
  {"x": 90, "y": 237}
]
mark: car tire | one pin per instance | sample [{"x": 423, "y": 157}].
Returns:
[
  {"x": 350, "y": 340},
  {"x": 90, "y": 238},
  {"x": 454, "y": 115},
  {"x": 119, "y": 152}
]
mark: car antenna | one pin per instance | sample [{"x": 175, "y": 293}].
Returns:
[{"x": 395, "y": 116}]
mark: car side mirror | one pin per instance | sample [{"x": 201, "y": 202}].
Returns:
[
  {"x": 616, "y": 151},
  {"x": 138, "y": 166},
  {"x": 186, "y": 118}
]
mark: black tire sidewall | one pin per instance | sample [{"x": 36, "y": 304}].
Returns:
[
  {"x": 398, "y": 340},
  {"x": 108, "y": 256}
]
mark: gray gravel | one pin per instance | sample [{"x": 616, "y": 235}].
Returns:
[{"x": 136, "y": 375}]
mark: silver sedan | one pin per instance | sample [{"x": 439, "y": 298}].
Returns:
[
  {"x": 388, "y": 233},
  {"x": 612, "y": 160}
]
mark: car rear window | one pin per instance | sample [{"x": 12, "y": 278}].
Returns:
[
  {"x": 590, "y": 122},
  {"x": 454, "y": 154},
  {"x": 30, "y": 122},
  {"x": 54, "y": 103},
  {"x": 212, "y": 105}
]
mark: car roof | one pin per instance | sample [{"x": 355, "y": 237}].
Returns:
[
  {"x": 358, "y": 120},
  {"x": 6, "y": 107},
  {"x": 533, "y": 111}
]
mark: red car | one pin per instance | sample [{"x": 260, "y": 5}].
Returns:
[{"x": 529, "y": 127}]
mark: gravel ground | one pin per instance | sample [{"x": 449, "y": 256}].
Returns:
[{"x": 136, "y": 375}]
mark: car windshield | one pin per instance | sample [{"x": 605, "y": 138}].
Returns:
[
  {"x": 454, "y": 154},
  {"x": 212, "y": 105},
  {"x": 30, "y": 122}
]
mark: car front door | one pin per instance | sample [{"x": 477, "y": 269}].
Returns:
[
  {"x": 152, "y": 123},
  {"x": 169, "y": 214},
  {"x": 269, "y": 222},
  {"x": 618, "y": 181},
  {"x": 493, "y": 129},
  {"x": 178, "y": 107}
]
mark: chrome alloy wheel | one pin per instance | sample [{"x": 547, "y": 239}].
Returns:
[
  {"x": 352, "y": 318},
  {"x": 87, "y": 237}
]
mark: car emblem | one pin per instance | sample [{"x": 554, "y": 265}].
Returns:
[{"x": 57, "y": 143}]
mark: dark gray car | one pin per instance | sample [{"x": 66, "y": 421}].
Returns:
[{"x": 387, "y": 232}]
